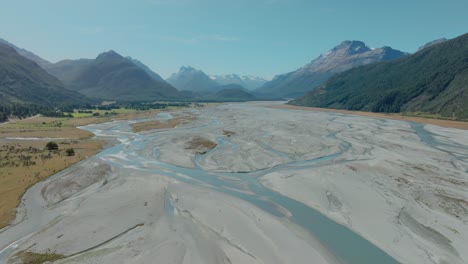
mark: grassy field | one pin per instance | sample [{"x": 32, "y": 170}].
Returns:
[
  {"x": 24, "y": 160},
  {"x": 36, "y": 258}
]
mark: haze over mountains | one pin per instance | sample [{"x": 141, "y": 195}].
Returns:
[
  {"x": 111, "y": 76},
  {"x": 232, "y": 92},
  {"x": 28, "y": 54},
  {"x": 433, "y": 80},
  {"x": 22, "y": 81},
  {"x": 249, "y": 82},
  {"x": 347, "y": 55},
  {"x": 191, "y": 79},
  {"x": 146, "y": 69},
  {"x": 196, "y": 84}
]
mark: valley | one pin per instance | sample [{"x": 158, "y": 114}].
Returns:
[
  {"x": 247, "y": 183},
  {"x": 233, "y": 132}
]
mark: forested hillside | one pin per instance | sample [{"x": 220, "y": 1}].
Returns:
[{"x": 433, "y": 80}]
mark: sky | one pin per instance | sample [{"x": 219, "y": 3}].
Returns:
[{"x": 248, "y": 37}]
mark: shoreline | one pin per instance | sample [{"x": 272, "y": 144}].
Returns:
[
  {"x": 85, "y": 144},
  {"x": 370, "y": 167},
  {"x": 83, "y": 137},
  {"x": 11, "y": 214},
  {"x": 429, "y": 121}
]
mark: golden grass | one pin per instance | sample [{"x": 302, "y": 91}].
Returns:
[
  {"x": 37, "y": 258},
  {"x": 395, "y": 116},
  {"x": 150, "y": 125},
  {"x": 24, "y": 163},
  {"x": 200, "y": 145},
  {"x": 43, "y": 127}
]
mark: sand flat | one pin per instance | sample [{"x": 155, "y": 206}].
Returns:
[
  {"x": 285, "y": 186},
  {"x": 432, "y": 121}
]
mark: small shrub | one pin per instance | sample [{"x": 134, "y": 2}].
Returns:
[
  {"x": 52, "y": 146},
  {"x": 70, "y": 152}
]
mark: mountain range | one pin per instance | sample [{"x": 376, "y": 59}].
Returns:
[
  {"x": 23, "y": 81},
  {"x": 349, "y": 76},
  {"x": 249, "y": 82},
  {"x": 199, "y": 86},
  {"x": 347, "y": 55},
  {"x": 112, "y": 77},
  {"x": 28, "y": 54},
  {"x": 191, "y": 79},
  {"x": 433, "y": 80}
]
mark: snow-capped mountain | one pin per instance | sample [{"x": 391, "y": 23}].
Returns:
[
  {"x": 191, "y": 79},
  {"x": 249, "y": 82}
]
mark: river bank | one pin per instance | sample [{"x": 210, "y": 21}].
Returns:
[
  {"x": 281, "y": 186},
  {"x": 24, "y": 161},
  {"x": 396, "y": 116}
]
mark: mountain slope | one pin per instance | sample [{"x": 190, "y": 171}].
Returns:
[
  {"x": 25, "y": 53},
  {"x": 111, "y": 77},
  {"x": 193, "y": 80},
  {"x": 22, "y": 81},
  {"x": 433, "y": 80},
  {"x": 345, "y": 56},
  {"x": 432, "y": 43},
  {"x": 247, "y": 81},
  {"x": 146, "y": 69},
  {"x": 68, "y": 70},
  {"x": 232, "y": 92}
]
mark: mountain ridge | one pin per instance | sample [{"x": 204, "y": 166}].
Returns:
[
  {"x": 433, "y": 80},
  {"x": 110, "y": 76},
  {"x": 23, "y": 81},
  {"x": 143, "y": 66},
  {"x": 28, "y": 54},
  {"x": 432, "y": 43},
  {"x": 249, "y": 82},
  {"x": 345, "y": 56},
  {"x": 191, "y": 79}
]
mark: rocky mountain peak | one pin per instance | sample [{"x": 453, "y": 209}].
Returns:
[
  {"x": 187, "y": 69},
  {"x": 349, "y": 47},
  {"x": 109, "y": 55}
]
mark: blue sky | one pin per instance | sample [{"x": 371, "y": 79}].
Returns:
[{"x": 259, "y": 37}]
